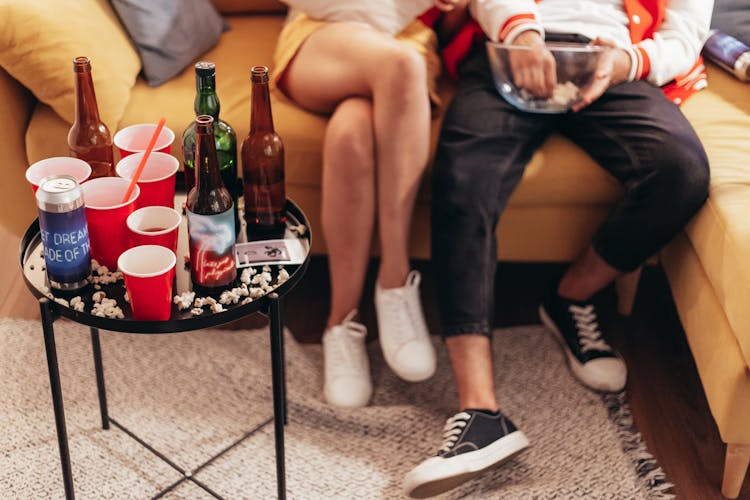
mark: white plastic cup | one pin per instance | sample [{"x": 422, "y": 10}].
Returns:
[
  {"x": 55, "y": 166},
  {"x": 135, "y": 138}
]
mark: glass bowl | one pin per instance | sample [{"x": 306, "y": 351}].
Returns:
[{"x": 575, "y": 64}]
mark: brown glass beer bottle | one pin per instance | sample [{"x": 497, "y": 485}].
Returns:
[
  {"x": 89, "y": 138},
  {"x": 263, "y": 166},
  {"x": 210, "y": 216}
]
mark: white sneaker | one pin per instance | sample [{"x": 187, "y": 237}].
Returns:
[
  {"x": 403, "y": 331},
  {"x": 345, "y": 364}
]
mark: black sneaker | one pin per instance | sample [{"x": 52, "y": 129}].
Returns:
[
  {"x": 474, "y": 440},
  {"x": 590, "y": 358}
]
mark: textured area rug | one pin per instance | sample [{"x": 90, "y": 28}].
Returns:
[{"x": 192, "y": 395}]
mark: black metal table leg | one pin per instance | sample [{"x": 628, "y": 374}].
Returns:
[
  {"x": 277, "y": 373},
  {"x": 98, "y": 367},
  {"x": 57, "y": 401}
]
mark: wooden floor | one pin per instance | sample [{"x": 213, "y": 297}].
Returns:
[{"x": 664, "y": 391}]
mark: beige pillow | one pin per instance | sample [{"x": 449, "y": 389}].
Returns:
[{"x": 38, "y": 41}]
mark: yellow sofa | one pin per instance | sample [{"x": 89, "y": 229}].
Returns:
[{"x": 562, "y": 198}]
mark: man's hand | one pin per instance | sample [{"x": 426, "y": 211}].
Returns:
[
  {"x": 534, "y": 69},
  {"x": 613, "y": 68}
]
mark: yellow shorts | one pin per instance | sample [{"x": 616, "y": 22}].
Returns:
[{"x": 417, "y": 35}]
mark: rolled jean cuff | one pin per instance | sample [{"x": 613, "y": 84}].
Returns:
[
  {"x": 481, "y": 328},
  {"x": 618, "y": 260}
]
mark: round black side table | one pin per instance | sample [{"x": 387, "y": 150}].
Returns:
[{"x": 54, "y": 304}]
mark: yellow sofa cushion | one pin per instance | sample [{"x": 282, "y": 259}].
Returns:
[
  {"x": 720, "y": 232},
  {"x": 249, "y": 42},
  {"x": 39, "y": 43}
]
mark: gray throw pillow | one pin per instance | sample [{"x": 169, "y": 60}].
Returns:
[
  {"x": 169, "y": 34},
  {"x": 733, "y": 18}
]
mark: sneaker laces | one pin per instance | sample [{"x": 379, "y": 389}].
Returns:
[
  {"x": 345, "y": 342},
  {"x": 589, "y": 336},
  {"x": 454, "y": 426},
  {"x": 409, "y": 310}
]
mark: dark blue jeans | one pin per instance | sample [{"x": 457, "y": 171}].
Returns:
[{"x": 632, "y": 131}]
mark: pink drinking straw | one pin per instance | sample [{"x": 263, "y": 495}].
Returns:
[{"x": 142, "y": 164}]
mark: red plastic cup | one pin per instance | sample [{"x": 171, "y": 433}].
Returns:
[
  {"x": 135, "y": 139},
  {"x": 57, "y": 165},
  {"x": 157, "y": 180},
  {"x": 106, "y": 215},
  {"x": 149, "y": 271},
  {"x": 154, "y": 226}
]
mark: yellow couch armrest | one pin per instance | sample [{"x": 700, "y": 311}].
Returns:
[{"x": 17, "y": 208}]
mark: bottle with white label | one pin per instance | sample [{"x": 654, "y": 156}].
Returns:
[{"x": 210, "y": 215}]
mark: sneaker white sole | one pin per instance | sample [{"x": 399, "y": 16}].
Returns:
[
  {"x": 437, "y": 475},
  {"x": 595, "y": 384}
]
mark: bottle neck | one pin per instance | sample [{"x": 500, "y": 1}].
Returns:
[
  {"x": 206, "y": 100},
  {"x": 260, "y": 113},
  {"x": 87, "y": 110},
  {"x": 207, "y": 176}
]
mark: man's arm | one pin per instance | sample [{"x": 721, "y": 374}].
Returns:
[
  {"x": 504, "y": 20},
  {"x": 676, "y": 45}
]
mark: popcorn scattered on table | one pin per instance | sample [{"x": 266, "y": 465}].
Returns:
[
  {"x": 184, "y": 300},
  {"x": 62, "y": 302},
  {"x": 300, "y": 229},
  {"x": 247, "y": 274},
  {"x": 107, "y": 308},
  {"x": 246, "y": 300},
  {"x": 77, "y": 303},
  {"x": 101, "y": 275},
  {"x": 204, "y": 301},
  {"x": 261, "y": 279},
  {"x": 283, "y": 275},
  {"x": 217, "y": 308},
  {"x": 98, "y": 296},
  {"x": 196, "y": 311},
  {"x": 126, "y": 297}
]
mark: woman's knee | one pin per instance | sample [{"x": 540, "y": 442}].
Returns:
[
  {"x": 349, "y": 145},
  {"x": 402, "y": 71}
]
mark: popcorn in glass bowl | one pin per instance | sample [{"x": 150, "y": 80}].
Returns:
[{"x": 575, "y": 66}]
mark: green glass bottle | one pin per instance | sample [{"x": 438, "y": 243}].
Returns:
[{"x": 207, "y": 103}]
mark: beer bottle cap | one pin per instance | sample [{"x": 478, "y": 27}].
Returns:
[{"x": 205, "y": 68}]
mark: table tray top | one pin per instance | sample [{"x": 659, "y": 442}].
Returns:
[{"x": 33, "y": 265}]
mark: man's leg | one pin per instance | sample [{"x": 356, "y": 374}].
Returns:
[
  {"x": 484, "y": 146},
  {"x": 643, "y": 140}
]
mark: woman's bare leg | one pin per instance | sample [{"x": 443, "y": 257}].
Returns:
[
  {"x": 348, "y": 207},
  {"x": 345, "y": 60}
]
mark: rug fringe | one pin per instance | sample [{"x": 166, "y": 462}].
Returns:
[{"x": 650, "y": 474}]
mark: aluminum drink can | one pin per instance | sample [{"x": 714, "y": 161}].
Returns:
[
  {"x": 64, "y": 233},
  {"x": 729, "y": 53}
]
